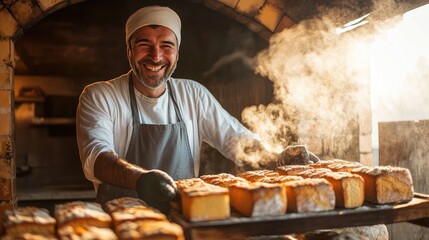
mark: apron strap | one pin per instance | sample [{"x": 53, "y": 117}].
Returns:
[
  {"x": 133, "y": 101},
  {"x": 176, "y": 107}
]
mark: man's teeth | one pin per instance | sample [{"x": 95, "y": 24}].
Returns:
[{"x": 154, "y": 68}]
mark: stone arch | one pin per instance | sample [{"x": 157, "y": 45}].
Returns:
[{"x": 263, "y": 17}]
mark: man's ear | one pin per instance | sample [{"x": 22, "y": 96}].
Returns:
[{"x": 128, "y": 51}]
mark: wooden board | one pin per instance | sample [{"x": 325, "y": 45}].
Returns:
[
  {"x": 405, "y": 144},
  {"x": 416, "y": 211}
]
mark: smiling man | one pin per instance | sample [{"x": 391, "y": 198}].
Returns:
[
  {"x": 153, "y": 54},
  {"x": 139, "y": 132}
]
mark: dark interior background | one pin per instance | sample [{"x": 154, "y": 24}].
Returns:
[{"x": 84, "y": 43}]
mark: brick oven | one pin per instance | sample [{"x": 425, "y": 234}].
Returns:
[{"x": 23, "y": 166}]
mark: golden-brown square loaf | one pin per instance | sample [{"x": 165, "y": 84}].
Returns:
[
  {"x": 310, "y": 195},
  {"x": 149, "y": 230},
  {"x": 201, "y": 201},
  {"x": 258, "y": 199},
  {"x": 80, "y": 213},
  {"x": 386, "y": 184}
]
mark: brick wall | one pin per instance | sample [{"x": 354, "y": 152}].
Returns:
[{"x": 263, "y": 17}]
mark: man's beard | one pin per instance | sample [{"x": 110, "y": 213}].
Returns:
[{"x": 138, "y": 71}]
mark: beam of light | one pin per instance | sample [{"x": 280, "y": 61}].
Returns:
[
  {"x": 400, "y": 71},
  {"x": 352, "y": 24}
]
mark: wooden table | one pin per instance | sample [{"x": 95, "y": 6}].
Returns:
[{"x": 416, "y": 211}]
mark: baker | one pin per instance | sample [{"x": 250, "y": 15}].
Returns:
[{"x": 139, "y": 132}]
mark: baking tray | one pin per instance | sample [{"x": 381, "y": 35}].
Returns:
[{"x": 237, "y": 227}]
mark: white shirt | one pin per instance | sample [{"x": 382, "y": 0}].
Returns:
[{"x": 104, "y": 120}]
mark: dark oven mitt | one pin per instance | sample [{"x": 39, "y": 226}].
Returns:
[{"x": 157, "y": 189}]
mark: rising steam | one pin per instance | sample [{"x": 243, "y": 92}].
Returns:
[
  {"x": 320, "y": 80},
  {"x": 317, "y": 77}
]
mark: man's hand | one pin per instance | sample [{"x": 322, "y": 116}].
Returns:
[
  {"x": 156, "y": 188},
  {"x": 296, "y": 155}
]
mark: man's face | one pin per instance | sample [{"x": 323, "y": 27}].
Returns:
[{"x": 153, "y": 55}]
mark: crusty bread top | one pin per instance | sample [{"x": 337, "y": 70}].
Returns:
[
  {"x": 339, "y": 175},
  {"x": 280, "y": 179},
  {"x": 121, "y": 203},
  {"x": 255, "y": 175},
  {"x": 338, "y": 166},
  {"x": 378, "y": 170},
  {"x": 75, "y": 210},
  {"x": 207, "y": 189},
  {"x": 146, "y": 228},
  {"x": 223, "y": 179},
  {"x": 257, "y": 185},
  {"x": 325, "y": 163},
  {"x": 384, "y": 170},
  {"x": 22, "y": 215},
  {"x": 29, "y": 236},
  {"x": 292, "y": 169},
  {"x": 308, "y": 182},
  {"x": 210, "y": 177},
  {"x": 190, "y": 182},
  {"x": 313, "y": 173},
  {"x": 86, "y": 233},
  {"x": 138, "y": 212}
]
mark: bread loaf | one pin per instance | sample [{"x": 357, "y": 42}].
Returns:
[
  {"x": 30, "y": 220},
  {"x": 348, "y": 188},
  {"x": 386, "y": 184},
  {"x": 136, "y": 213},
  {"x": 310, "y": 195},
  {"x": 150, "y": 230},
  {"x": 80, "y": 214},
  {"x": 204, "y": 201},
  {"x": 29, "y": 236},
  {"x": 85, "y": 233},
  {"x": 258, "y": 199},
  {"x": 185, "y": 184},
  {"x": 131, "y": 209}
]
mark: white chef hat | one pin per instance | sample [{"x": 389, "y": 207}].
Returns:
[{"x": 153, "y": 15}]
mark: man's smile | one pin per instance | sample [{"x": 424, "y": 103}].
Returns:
[{"x": 153, "y": 68}]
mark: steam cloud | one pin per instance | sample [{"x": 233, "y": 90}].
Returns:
[
  {"x": 320, "y": 80},
  {"x": 317, "y": 77}
]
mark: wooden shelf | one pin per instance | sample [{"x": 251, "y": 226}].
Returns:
[
  {"x": 20, "y": 99},
  {"x": 416, "y": 211},
  {"x": 53, "y": 121}
]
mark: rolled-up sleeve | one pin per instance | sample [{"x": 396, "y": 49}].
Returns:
[{"x": 94, "y": 128}]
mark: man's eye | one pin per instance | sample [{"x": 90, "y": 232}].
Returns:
[
  {"x": 141, "y": 44},
  {"x": 168, "y": 47}
]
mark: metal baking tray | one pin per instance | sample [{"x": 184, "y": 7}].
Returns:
[{"x": 416, "y": 211}]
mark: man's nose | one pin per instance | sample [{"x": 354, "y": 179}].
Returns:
[{"x": 155, "y": 54}]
